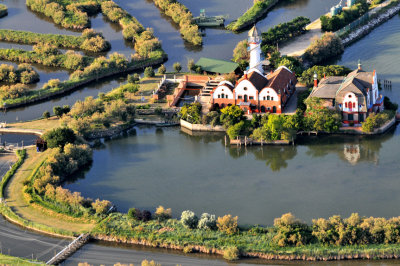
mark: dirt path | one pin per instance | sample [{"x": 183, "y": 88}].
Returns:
[{"x": 15, "y": 199}]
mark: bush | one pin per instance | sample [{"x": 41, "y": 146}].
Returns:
[
  {"x": 388, "y": 105},
  {"x": 291, "y": 232},
  {"x": 101, "y": 206},
  {"x": 162, "y": 70},
  {"x": 228, "y": 224},
  {"x": 177, "y": 67},
  {"x": 374, "y": 121},
  {"x": 149, "y": 72},
  {"x": 46, "y": 114},
  {"x": 236, "y": 130},
  {"x": 191, "y": 65},
  {"x": 133, "y": 78},
  {"x": 231, "y": 253},
  {"x": 207, "y": 221},
  {"x": 162, "y": 214},
  {"x": 231, "y": 115},
  {"x": 132, "y": 213},
  {"x": 189, "y": 219},
  {"x": 191, "y": 113},
  {"x": 59, "y": 137}
]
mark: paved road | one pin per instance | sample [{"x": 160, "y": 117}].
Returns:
[{"x": 18, "y": 242}]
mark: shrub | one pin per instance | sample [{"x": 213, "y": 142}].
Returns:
[
  {"x": 162, "y": 214},
  {"x": 189, "y": 219},
  {"x": 231, "y": 115},
  {"x": 177, "y": 67},
  {"x": 207, "y": 221},
  {"x": 231, "y": 253},
  {"x": 228, "y": 224},
  {"x": 291, "y": 232},
  {"x": 236, "y": 130},
  {"x": 191, "y": 113},
  {"x": 66, "y": 109},
  {"x": 374, "y": 121},
  {"x": 101, "y": 206},
  {"x": 149, "y": 72},
  {"x": 388, "y": 105},
  {"x": 46, "y": 114},
  {"x": 162, "y": 70},
  {"x": 187, "y": 249},
  {"x": 146, "y": 216},
  {"x": 59, "y": 137},
  {"x": 132, "y": 213},
  {"x": 149, "y": 263}
]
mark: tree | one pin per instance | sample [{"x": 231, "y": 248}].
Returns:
[
  {"x": 46, "y": 114},
  {"x": 191, "y": 113},
  {"x": 58, "y": 111},
  {"x": 207, "y": 221},
  {"x": 231, "y": 115},
  {"x": 228, "y": 224},
  {"x": 66, "y": 109},
  {"x": 163, "y": 214},
  {"x": 191, "y": 65},
  {"x": 59, "y": 137},
  {"x": 189, "y": 219},
  {"x": 177, "y": 67},
  {"x": 149, "y": 72},
  {"x": 162, "y": 70}
]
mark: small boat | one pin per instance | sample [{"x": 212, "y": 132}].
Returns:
[{"x": 204, "y": 21}]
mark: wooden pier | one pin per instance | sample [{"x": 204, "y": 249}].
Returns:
[{"x": 75, "y": 245}]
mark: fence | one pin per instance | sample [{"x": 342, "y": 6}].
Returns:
[{"x": 353, "y": 25}]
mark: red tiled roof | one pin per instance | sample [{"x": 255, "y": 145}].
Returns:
[
  {"x": 259, "y": 81},
  {"x": 280, "y": 78}
]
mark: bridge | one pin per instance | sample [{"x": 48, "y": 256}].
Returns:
[{"x": 75, "y": 245}]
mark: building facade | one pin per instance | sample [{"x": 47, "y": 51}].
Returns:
[
  {"x": 354, "y": 96},
  {"x": 255, "y": 91}
]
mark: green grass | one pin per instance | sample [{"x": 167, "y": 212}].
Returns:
[
  {"x": 118, "y": 226},
  {"x": 9, "y": 260},
  {"x": 251, "y": 15},
  {"x": 21, "y": 157}
]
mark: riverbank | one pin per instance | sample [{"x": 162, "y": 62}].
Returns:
[
  {"x": 372, "y": 24},
  {"x": 251, "y": 16}
]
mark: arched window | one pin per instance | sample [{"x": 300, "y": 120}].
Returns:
[
  {"x": 245, "y": 88},
  {"x": 268, "y": 98},
  {"x": 222, "y": 95},
  {"x": 354, "y": 105},
  {"x": 272, "y": 98},
  {"x": 345, "y": 105},
  {"x": 245, "y": 98},
  {"x": 219, "y": 96}
]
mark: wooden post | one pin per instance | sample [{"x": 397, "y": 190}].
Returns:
[
  {"x": 261, "y": 141},
  {"x": 225, "y": 140},
  {"x": 245, "y": 141}
]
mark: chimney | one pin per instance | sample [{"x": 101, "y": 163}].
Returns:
[
  {"x": 315, "y": 80},
  {"x": 359, "y": 65},
  {"x": 245, "y": 75},
  {"x": 324, "y": 75}
]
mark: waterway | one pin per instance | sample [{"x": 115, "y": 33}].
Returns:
[
  {"x": 217, "y": 43},
  {"x": 318, "y": 177}
]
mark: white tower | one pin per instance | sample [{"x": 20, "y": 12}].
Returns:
[{"x": 255, "y": 50}]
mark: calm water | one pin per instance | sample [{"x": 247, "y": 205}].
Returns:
[{"x": 317, "y": 178}]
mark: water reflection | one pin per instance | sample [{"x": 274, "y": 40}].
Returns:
[{"x": 348, "y": 148}]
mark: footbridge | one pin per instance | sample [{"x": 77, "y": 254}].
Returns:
[{"x": 75, "y": 245}]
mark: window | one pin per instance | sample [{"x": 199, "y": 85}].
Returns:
[
  {"x": 264, "y": 98},
  {"x": 251, "y": 98},
  {"x": 345, "y": 105},
  {"x": 245, "y": 88},
  {"x": 240, "y": 97},
  {"x": 269, "y": 108},
  {"x": 226, "y": 96},
  {"x": 354, "y": 105},
  {"x": 268, "y": 97},
  {"x": 219, "y": 96},
  {"x": 349, "y": 96},
  {"x": 222, "y": 95},
  {"x": 272, "y": 98}
]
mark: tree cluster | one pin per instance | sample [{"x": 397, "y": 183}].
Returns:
[
  {"x": 24, "y": 73},
  {"x": 183, "y": 17},
  {"x": 68, "y": 14},
  {"x": 329, "y": 45},
  {"x": 307, "y": 76}
]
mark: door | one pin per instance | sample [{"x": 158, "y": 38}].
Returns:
[
  {"x": 274, "y": 109},
  {"x": 350, "y": 117},
  {"x": 245, "y": 98}
]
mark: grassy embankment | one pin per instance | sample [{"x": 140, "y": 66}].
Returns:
[
  {"x": 251, "y": 16},
  {"x": 181, "y": 15},
  {"x": 3, "y": 10},
  {"x": 88, "y": 41},
  {"x": 9, "y": 260},
  {"x": 32, "y": 215}
]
